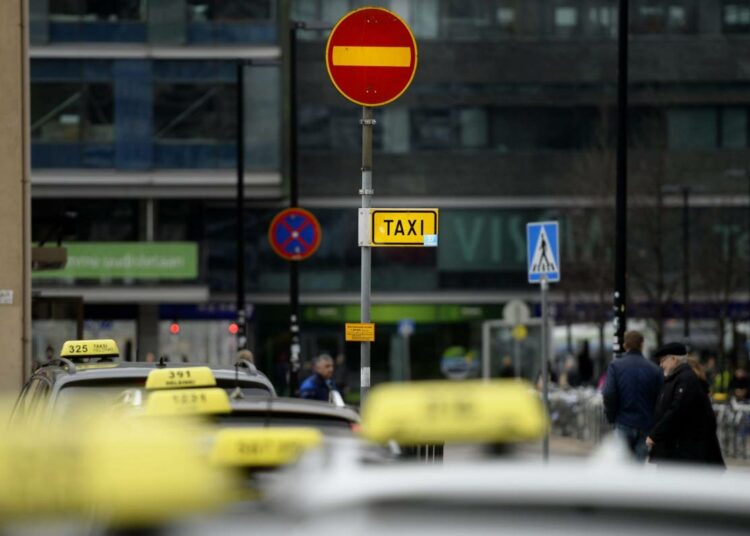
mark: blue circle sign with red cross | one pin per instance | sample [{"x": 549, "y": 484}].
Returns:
[{"x": 294, "y": 234}]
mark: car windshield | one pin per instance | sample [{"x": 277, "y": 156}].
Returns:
[{"x": 103, "y": 393}]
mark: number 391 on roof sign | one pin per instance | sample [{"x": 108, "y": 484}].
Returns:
[{"x": 371, "y": 56}]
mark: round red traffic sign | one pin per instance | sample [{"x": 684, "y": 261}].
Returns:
[
  {"x": 371, "y": 56},
  {"x": 294, "y": 234}
]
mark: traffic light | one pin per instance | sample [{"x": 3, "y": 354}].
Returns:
[
  {"x": 174, "y": 328},
  {"x": 234, "y": 328}
]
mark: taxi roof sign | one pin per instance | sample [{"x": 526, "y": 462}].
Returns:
[
  {"x": 180, "y": 378},
  {"x": 500, "y": 411},
  {"x": 179, "y": 402},
  {"x": 263, "y": 447},
  {"x": 83, "y": 349}
]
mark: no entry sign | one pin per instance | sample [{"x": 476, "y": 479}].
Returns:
[
  {"x": 371, "y": 56},
  {"x": 294, "y": 234}
]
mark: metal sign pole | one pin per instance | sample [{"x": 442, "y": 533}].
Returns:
[
  {"x": 545, "y": 362},
  {"x": 366, "y": 192}
]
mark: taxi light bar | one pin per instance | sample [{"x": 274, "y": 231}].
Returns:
[
  {"x": 186, "y": 402},
  {"x": 87, "y": 348},
  {"x": 179, "y": 378},
  {"x": 500, "y": 411},
  {"x": 262, "y": 447}
]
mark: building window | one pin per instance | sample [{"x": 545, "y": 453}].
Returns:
[
  {"x": 229, "y": 10},
  {"x": 692, "y": 128},
  {"x": 433, "y": 129},
  {"x": 734, "y": 126},
  {"x": 195, "y": 112},
  {"x": 467, "y": 11},
  {"x": 71, "y": 112},
  {"x": 603, "y": 20},
  {"x": 88, "y": 11},
  {"x": 736, "y": 17},
  {"x": 505, "y": 17},
  {"x": 565, "y": 22},
  {"x": 664, "y": 17}
]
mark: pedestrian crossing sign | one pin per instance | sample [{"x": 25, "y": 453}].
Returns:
[{"x": 543, "y": 251}]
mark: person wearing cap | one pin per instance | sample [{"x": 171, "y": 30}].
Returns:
[
  {"x": 685, "y": 429},
  {"x": 630, "y": 392}
]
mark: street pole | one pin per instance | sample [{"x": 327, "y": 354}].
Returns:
[
  {"x": 366, "y": 192},
  {"x": 686, "y": 261},
  {"x": 545, "y": 363},
  {"x": 294, "y": 313},
  {"x": 240, "y": 205},
  {"x": 621, "y": 202}
]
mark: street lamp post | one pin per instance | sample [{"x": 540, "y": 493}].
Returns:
[{"x": 686, "y": 260}]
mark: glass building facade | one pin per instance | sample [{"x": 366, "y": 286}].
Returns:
[{"x": 511, "y": 118}]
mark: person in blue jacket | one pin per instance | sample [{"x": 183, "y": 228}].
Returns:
[
  {"x": 320, "y": 384},
  {"x": 630, "y": 394}
]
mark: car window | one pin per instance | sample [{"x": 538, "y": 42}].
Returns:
[
  {"x": 261, "y": 419},
  {"x": 32, "y": 398},
  {"x": 74, "y": 396}
]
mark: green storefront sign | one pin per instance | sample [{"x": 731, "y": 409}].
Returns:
[
  {"x": 392, "y": 314},
  {"x": 128, "y": 260}
]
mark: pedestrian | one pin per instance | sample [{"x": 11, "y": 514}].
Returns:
[
  {"x": 630, "y": 393},
  {"x": 320, "y": 384},
  {"x": 245, "y": 355},
  {"x": 739, "y": 386},
  {"x": 685, "y": 429}
]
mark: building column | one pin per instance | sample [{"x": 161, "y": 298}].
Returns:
[
  {"x": 15, "y": 204},
  {"x": 148, "y": 331}
]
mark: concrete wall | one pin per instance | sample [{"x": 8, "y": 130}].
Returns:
[{"x": 14, "y": 200}]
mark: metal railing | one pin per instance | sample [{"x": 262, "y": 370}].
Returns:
[{"x": 579, "y": 413}]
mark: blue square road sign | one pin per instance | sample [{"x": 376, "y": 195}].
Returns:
[{"x": 543, "y": 251}]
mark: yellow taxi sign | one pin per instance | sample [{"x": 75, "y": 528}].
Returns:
[
  {"x": 262, "y": 447},
  {"x": 89, "y": 348},
  {"x": 359, "y": 332},
  {"x": 181, "y": 377},
  {"x": 183, "y": 402},
  {"x": 500, "y": 411},
  {"x": 415, "y": 227}
]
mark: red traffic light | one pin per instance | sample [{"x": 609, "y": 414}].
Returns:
[
  {"x": 234, "y": 328},
  {"x": 174, "y": 328}
]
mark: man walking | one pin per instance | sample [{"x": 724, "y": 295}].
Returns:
[
  {"x": 685, "y": 429},
  {"x": 630, "y": 393},
  {"x": 319, "y": 385}
]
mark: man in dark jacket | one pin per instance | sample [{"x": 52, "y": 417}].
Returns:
[
  {"x": 320, "y": 384},
  {"x": 685, "y": 429},
  {"x": 630, "y": 392}
]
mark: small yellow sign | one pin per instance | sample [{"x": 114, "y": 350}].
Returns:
[
  {"x": 178, "y": 378},
  {"x": 360, "y": 332},
  {"x": 520, "y": 332},
  {"x": 415, "y": 227}
]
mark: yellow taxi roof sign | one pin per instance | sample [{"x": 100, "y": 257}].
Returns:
[
  {"x": 186, "y": 402},
  {"x": 177, "y": 378},
  {"x": 500, "y": 411},
  {"x": 89, "y": 348},
  {"x": 263, "y": 447}
]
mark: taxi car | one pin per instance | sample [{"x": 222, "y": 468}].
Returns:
[
  {"x": 91, "y": 369},
  {"x": 607, "y": 493}
]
